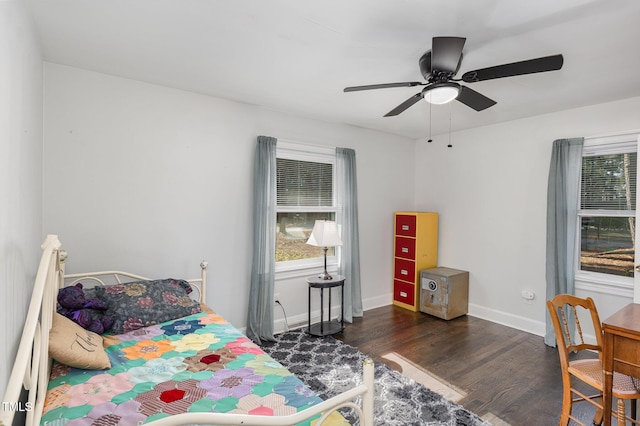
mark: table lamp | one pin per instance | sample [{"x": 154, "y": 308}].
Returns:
[{"x": 325, "y": 235}]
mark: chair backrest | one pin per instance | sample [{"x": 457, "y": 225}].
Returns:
[{"x": 566, "y": 321}]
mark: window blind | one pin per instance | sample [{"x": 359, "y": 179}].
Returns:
[
  {"x": 304, "y": 183},
  {"x": 608, "y": 182}
]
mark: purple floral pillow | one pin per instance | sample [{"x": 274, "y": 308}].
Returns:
[{"x": 142, "y": 303}]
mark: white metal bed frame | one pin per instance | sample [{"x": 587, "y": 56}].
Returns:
[{"x": 32, "y": 366}]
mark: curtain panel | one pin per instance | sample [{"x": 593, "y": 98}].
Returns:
[
  {"x": 260, "y": 313},
  {"x": 562, "y": 221},
  {"x": 349, "y": 253}
]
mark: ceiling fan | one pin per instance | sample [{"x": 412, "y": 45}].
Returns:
[{"x": 439, "y": 66}]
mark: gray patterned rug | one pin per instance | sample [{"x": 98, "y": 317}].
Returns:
[{"x": 329, "y": 367}]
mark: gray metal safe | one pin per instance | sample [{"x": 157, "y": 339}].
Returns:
[{"x": 444, "y": 292}]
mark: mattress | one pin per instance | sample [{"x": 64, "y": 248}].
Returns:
[{"x": 197, "y": 363}]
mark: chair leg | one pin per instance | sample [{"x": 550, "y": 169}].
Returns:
[
  {"x": 621, "y": 414},
  {"x": 634, "y": 408},
  {"x": 567, "y": 402},
  {"x": 597, "y": 419}
]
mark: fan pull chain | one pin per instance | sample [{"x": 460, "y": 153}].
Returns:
[
  {"x": 430, "y": 122},
  {"x": 450, "y": 106}
]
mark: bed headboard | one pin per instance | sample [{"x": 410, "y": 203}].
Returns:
[
  {"x": 32, "y": 365},
  {"x": 118, "y": 277}
]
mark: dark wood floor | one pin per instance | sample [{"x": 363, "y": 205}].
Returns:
[{"x": 503, "y": 371}]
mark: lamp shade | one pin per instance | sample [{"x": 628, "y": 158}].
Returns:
[{"x": 324, "y": 234}]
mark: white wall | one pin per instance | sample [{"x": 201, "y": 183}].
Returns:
[
  {"x": 151, "y": 179},
  {"x": 490, "y": 189},
  {"x": 20, "y": 173}
]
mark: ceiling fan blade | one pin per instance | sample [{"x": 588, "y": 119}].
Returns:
[
  {"x": 474, "y": 100},
  {"x": 405, "y": 105},
  {"x": 531, "y": 66},
  {"x": 384, "y": 86},
  {"x": 446, "y": 53}
]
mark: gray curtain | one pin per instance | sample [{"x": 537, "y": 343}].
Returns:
[
  {"x": 562, "y": 217},
  {"x": 260, "y": 316},
  {"x": 349, "y": 252}
]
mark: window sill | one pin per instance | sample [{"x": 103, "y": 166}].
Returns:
[
  {"x": 617, "y": 286},
  {"x": 297, "y": 271}
]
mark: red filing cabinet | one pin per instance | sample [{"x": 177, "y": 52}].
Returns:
[{"x": 415, "y": 248}]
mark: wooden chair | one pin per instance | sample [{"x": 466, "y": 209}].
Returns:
[{"x": 564, "y": 311}]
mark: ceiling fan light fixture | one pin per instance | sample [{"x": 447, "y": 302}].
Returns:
[
  {"x": 441, "y": 93},
  {"x": 439, "y": 67}
]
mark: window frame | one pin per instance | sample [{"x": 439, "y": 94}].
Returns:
[
  {"x": 317, "y": 154},
  {"x": 596, "y": 281}
]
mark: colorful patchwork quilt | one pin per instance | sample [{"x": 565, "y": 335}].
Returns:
[{"x": 198, "y": 363}]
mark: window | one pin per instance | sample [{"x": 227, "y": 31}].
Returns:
[
  {"x": 305, "y": 192},
  {"x": 607, "y": 210}
]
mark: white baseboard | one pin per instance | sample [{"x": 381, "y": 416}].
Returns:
[
  {"x": 301, "y": 320},
  {"x": 376, "y": 302},
  {"x": 510, "y": 320},
  {"x": 504, "y": 318}
]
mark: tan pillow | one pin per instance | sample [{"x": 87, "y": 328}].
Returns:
[{"x": 74, "y": 346}]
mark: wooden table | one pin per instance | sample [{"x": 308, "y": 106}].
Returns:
[{"x": 621, "y": 351}]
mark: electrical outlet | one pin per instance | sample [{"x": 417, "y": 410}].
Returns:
[
  {"x": 528, "y": 295},
  {"x": 276, "y": 298}
]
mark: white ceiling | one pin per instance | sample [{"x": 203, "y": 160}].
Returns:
[{"x": 296, "y": 56}]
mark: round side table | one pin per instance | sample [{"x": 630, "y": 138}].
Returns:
[{"x": 326, "y": 327}]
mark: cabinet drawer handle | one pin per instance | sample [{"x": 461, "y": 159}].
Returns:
[
  {"x": 405, "y": 227},
  {"x": 405, "y": 250},
  {"x": 404, "y": 272},
  {"x": 403, "y": 294}
]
